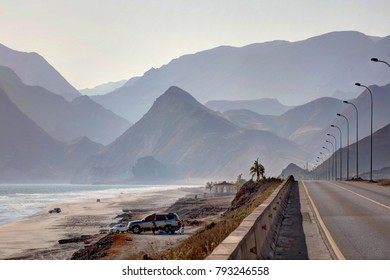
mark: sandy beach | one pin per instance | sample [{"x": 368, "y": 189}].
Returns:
[{"x": 37, "y": 237}]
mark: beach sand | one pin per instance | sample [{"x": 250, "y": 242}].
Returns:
[{"x": 37, "y": 237}]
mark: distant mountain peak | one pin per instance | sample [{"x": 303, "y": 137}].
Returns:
[{"x": 175, "y": 95}]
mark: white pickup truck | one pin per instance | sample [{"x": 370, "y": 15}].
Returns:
[{"x": 118, "y": 228}]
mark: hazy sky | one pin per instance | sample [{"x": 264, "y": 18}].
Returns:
[{"x": 95, "y": 41}]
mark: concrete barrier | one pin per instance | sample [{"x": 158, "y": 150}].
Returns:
[{"x": 255, "y": 238}]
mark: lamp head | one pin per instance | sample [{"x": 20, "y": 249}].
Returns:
[
  {"x": 332, "y": 125},
  {"x": 374, "y": 59},
  {"x": 338, "y": 114},
  {"x": 358, "y": 84},
  {"x": 346, "y": 102},
  {"x": 328, "y": 135}
]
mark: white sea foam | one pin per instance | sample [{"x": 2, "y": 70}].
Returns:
[{"x": 21, "y": 201}]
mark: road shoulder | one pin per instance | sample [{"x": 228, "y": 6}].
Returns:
[{"x": 300, "y": 236}]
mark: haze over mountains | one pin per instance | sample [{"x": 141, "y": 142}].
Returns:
[
  {"x": 28, "y": 154},
  {"x": 34, "y": 70},
  {"x": 190, "y": 141},
  {"x": 264, "y": 106},
  {"x": 299, "y": 124},
  {"x": 47, "y": 137},
  {"x": 63, "y": 120},
  {"x": 308, "y": 124},
  {"x": 292, "y": 72},
  {"x": 103, "y": 88}
]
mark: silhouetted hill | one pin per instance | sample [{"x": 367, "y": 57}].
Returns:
[
  {"x": 26, "y": 151},
  {"x": 103, "y": 88},
  {"x": 29, "y": 155},
  {"x": 191, "y": 141},
  {"x": 298, "y": 172},
  {"x": 34, "y": 70},
  {"x": 250, "y": 120},
  {"x": 299, "y": 124},
  {"x": 294, "y": 73},
  {"x": 63, "y": 120},
  {"x": 264, "y": 106},
  {"x": 303, "y": 122}
]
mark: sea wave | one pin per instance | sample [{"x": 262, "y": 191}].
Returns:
[{"x": 18, "y": 202}]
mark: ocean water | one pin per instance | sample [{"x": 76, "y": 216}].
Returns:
[{"x": 21, "y": 201}]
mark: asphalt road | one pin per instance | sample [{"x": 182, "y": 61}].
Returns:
[{"x": 357, "y": 216}]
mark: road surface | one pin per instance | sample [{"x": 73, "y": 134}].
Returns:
[{"x": 357, "y": 216}]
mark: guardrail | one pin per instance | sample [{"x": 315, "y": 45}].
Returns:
[{"x": 255, "y": 238}]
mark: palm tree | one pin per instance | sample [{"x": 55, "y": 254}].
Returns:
[{"x": 258, "y": 170}]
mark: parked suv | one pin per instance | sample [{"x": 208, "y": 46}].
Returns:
[
  {"x": 168, "y": 222},
  {"x": 118, "y": 228}
]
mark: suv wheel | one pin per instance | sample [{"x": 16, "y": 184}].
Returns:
[
  {"x": 136, "y": 230},
  {"x": 167, "y": 228}
]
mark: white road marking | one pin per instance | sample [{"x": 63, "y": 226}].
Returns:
[
  {"x": 331, "y": 241},
  {"x": 362, "y": 196}
]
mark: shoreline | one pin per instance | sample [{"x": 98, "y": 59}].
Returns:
[{"x": 37, "y": 236}]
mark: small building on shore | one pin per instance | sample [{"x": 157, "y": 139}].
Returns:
[{"x": 225, "y": 187}]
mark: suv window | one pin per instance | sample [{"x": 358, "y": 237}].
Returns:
[
  {"x": 149, "y": 218},
  {"x": 171, "y": 216},
  {"x": 160, "y": 218}
]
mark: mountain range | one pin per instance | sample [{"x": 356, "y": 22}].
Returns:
[
  {"x": 264, "y": 106},
  {"x": 34, "y": 70},
  {"x": 28, "y": 154},
  {"x": 103, "y": 88},
  {"x": 187, "y": 140},
  {"x": 54, "y": 135},
  {"x": 292, "y": 72},
  {"x": 309, "y": 124},
  {"x": 299, "y": 124},
  {"x": 64, "y": 120}
]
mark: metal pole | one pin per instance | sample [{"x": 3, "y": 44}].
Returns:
[
  {"x": 333, "y": 174},
  {"x": 322, "y": 162},
  {"x": 340, "y": 115},
  {"x": 341, "y": 151},
  {"x": 372, "y": 117},
  {"x": 357, "y": 137},
  {"x": 335, "y": 155},
  {"x": 325, "y": 166},
  {"x": 329, "y": 178}
]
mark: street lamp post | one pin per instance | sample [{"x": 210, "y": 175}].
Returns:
[
  {"x": 374, "y": 59},
  {"x": 341, "y": 151},
  {"x": 326, "y": 162},
  {"x": 372, "y": 113},
  {"x": 357, "y": 137},
  {"x": 325, "y": 148},
  {"x": 340, "y": 115},
  {"x": 322, "y": 161},
  {"x": 333, "y": 166},
  {"x": 335, "y": 155}
]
